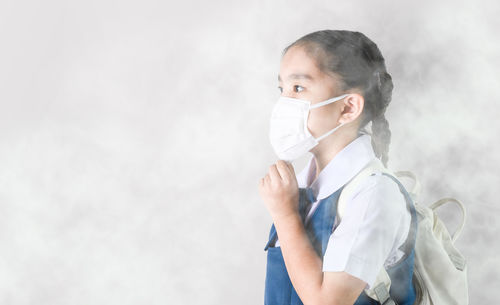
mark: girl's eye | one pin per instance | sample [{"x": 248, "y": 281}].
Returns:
[
  {"x": 281, "y": 89},
  {"x": 298, "y": 88}
]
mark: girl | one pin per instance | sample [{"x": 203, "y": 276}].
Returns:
[{"x": 333, "y": 83}]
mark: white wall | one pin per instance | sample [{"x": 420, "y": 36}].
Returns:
[{"x": 133, "y": 135}]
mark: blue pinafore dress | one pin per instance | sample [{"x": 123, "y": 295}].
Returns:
[{"x": 278, "y": 287}]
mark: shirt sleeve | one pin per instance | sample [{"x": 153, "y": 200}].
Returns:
[{"x": 371, "y": 228}]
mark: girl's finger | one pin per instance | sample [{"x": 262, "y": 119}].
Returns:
[
  {"x": 283, "y": 170},
  {"x": 266, "y": 179},
  {"x": 273, "y": 172}
]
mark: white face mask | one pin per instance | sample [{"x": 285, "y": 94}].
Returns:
[{"x": 288, "y": 133}]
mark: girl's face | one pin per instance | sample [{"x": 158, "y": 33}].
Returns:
[{"x": 300, "y": 78}]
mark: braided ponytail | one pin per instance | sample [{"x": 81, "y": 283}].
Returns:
[
  {"x": 360, "y": 64},
  {"x": 381, "y": 138},
  {"x": 381, "y": 134}
]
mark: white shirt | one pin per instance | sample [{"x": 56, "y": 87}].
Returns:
[{"x": 376, "y": 220}]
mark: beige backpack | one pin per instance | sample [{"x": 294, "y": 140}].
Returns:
[{"x": 440, "y": 272}]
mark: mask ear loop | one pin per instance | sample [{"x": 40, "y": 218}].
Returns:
[
  {"x": 328, "y": 101},
  {"x": 325, "y": 103},
  {"x": 329, "y": 132}
]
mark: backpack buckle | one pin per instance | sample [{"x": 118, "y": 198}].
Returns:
[{"x": 383, "y": 295}]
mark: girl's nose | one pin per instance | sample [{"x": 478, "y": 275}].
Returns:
[{"x": 289, "y": 93}]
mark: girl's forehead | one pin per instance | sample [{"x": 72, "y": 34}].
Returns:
[{"x": 297, "y": 64}]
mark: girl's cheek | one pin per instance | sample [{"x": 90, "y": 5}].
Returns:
[
  {"x": 312, "y": 124},
  {"x": 321, "y": 121}
]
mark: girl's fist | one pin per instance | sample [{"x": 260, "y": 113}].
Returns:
[{"x": 279, "y": 190}]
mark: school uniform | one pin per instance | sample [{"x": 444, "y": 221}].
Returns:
[{"x": 373, "y": 232}]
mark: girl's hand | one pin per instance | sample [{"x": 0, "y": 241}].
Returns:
[{"x": 279, "y": 190}]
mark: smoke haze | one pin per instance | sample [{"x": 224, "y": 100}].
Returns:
[{"x": 133, "y": 135}]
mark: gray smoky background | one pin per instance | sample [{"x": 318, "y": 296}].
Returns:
[{"x": 133, "y": 135}]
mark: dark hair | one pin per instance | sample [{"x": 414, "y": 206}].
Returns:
[{"x": 359, "y": 63}]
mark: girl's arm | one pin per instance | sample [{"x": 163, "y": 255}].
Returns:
[
  {"x": 304, "y": 267},
  {"x": 279, "y": 190}
]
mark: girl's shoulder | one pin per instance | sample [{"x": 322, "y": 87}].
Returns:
[{"x": 378, "y": 193}]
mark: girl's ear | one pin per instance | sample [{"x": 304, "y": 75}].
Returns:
[{"x": 352, "y": 107}]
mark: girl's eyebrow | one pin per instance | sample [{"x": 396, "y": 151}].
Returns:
[{"x": 297, "y": 76}]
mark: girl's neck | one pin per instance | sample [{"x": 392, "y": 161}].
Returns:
[
  {"x": 322, "y": 161},
  {"x": 324, "y": 154}
]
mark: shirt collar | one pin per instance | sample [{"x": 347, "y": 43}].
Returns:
[{"x": 342, "y": 168}]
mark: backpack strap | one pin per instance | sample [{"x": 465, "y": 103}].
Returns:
[
  {"x": 381, "y": 287},
  {"x": 383, "y": 295},
  {"x": 373, "y": 166},
  {"x": 380, "y": 290},
  {"x": 415, "y": 191}
]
